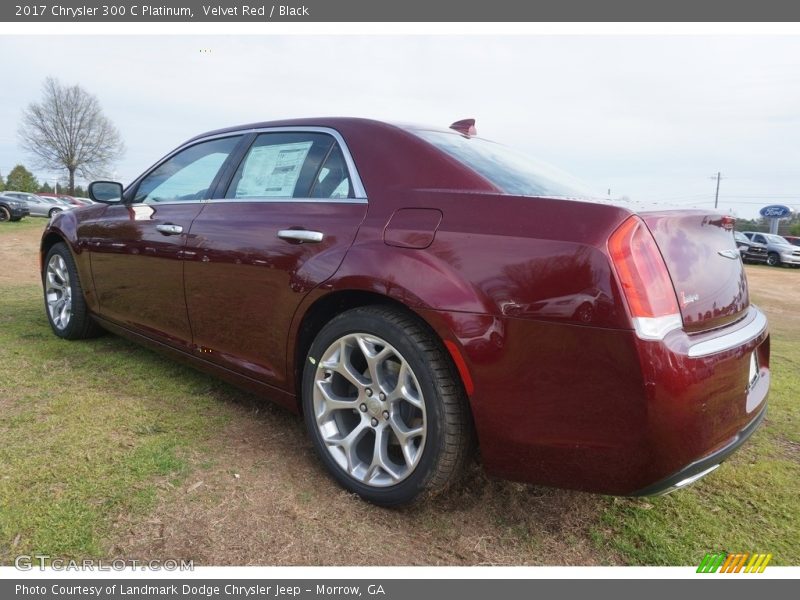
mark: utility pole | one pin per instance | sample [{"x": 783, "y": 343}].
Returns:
[{"x": 716, "y": 195}]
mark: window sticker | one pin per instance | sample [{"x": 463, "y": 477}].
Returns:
[{"x": 272, "y": 171}]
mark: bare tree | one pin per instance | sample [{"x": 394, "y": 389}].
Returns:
[{"x": 68, "y": 130}]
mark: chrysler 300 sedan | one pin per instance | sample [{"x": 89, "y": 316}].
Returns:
[{"x": 417, "y": 293}]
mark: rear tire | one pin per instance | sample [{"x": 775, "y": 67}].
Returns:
[
  {"x": 64, "y": 303},
  {"x": 5, "y": 214},
  {"x": 773, "y": 259},
  {"x": 394, "y": 440},
  {"x": 53, "y": 212}
]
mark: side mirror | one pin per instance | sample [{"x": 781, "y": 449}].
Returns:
[{"x": 108, "y": 192}]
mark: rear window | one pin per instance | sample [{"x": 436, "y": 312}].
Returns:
[{"x": 512, "y": 171}]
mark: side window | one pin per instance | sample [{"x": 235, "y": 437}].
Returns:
[
  {"x": 333, "y": 180},
  {"x": 283, "y": 165},
  {"x": 188, "y": 175},
  {"x": 760, "y": 239}
]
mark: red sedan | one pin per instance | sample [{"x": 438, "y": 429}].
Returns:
[{"x": 417, "y": 293}]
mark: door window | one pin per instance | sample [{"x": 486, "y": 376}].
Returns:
[
  {"x": 188, "y": 175},
  {"x": 333, "y": 180},
  {"x": 291, "y": 165}
]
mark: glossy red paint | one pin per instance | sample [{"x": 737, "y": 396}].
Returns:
[{"x": 520, "y": 290}]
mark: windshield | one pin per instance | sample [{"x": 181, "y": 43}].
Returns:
[
  {"x": 740, "y": 237},
  {"x": 511, "y": 171},
  {"x": 775, "y": 239}
]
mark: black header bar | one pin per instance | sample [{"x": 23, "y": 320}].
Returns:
[{"x": 235, "y": 11}]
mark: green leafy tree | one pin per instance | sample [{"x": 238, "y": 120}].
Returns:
[
  {"x": 2, "y": 183},
  {"x": 68, "y": 130},
  {"x": 46, "y": 188},
  {"x": 21, "y": 180}
]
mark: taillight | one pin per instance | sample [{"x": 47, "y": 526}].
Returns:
[{"x": 645, "y": 281}]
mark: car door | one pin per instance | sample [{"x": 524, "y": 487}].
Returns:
[
  {"x": 290, "y": 211},
  {"x": 136, "y": 247},
  {"x": 34, "y": 204}
]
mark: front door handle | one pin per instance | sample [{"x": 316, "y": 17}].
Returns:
[
  {"x": 169, "y": 229},
  {"x": 301, "y": 235}
]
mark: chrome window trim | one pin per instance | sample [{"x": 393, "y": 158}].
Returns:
[
  {"x": 359, "y": 193},
  {"x": 733, "y": 339}
]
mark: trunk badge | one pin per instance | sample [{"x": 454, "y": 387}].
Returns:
[{"x": 728, "y": 254}]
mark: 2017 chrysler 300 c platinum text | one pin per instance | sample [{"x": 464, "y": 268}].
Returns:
[{"x": 417, "y": 293}]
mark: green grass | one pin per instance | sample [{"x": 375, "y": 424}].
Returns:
[{"x": 89, "y": 431}]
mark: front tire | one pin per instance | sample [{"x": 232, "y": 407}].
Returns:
[
  {"x": 773, "y": 260},
  {"x": 5, "y": 214},
  {"x": 384, "y": 407},
  {"x": 53, "y": 212},
  {"x": 64, "y": 303}
]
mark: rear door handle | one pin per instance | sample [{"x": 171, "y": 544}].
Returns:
[
  {"x": 169, "y": 229},
  {"x": 301, "y": 235}
]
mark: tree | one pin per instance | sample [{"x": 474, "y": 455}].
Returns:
[
  {"x": 21, "y": 180},
  {"x": 68, "y": 130},
  {"x": 2, "y": 185},
  {"x": 45, "y": 188}
]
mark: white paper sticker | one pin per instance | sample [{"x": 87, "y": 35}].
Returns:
[{"x": 272, "y": 171}]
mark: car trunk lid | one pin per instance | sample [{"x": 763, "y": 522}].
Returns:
[{"x": 704, "y": 264}]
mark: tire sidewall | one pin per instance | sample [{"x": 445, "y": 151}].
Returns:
[
  {"x": 773, "y": 260},
  {"x": 6, "y": 214},
  {"x": 357, "y": 321}
]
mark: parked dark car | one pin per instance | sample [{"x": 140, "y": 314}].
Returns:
[
  {"x": 39, "y": 206},
  {"x": 750, "y": 251},
  {"x": 12, "y": 209},
  {"x": 779, "y": 250},
  {"x": 392, "y": 284}
]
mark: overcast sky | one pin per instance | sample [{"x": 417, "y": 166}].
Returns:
[{"x": 652, "y": 118}]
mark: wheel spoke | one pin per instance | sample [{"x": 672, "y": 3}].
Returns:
[
  {"x": 349, "y": 443},
  {"x": 406, "y": 436},
  {"x": 374, "y": 358},
  {"x": 331, "y": 402},
  {"x": 406, "y": 388},
  {"x": 380, "y": 457},
  {"x": 345, "y": 368}
]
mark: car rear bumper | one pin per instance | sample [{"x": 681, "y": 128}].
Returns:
[
  {"x": 600, "y": 410},
  {"x": 702, "y": 467}
]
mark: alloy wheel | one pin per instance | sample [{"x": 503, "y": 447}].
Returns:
[
  {"x": 58, "y": 291},
  {"x": 369, "y": 409}
]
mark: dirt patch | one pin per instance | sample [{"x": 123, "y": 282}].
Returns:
[
  {"x": 19, "y": 257},
  {"x": 775, "y": 289},
  {"x": 267, "y": 501}
]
